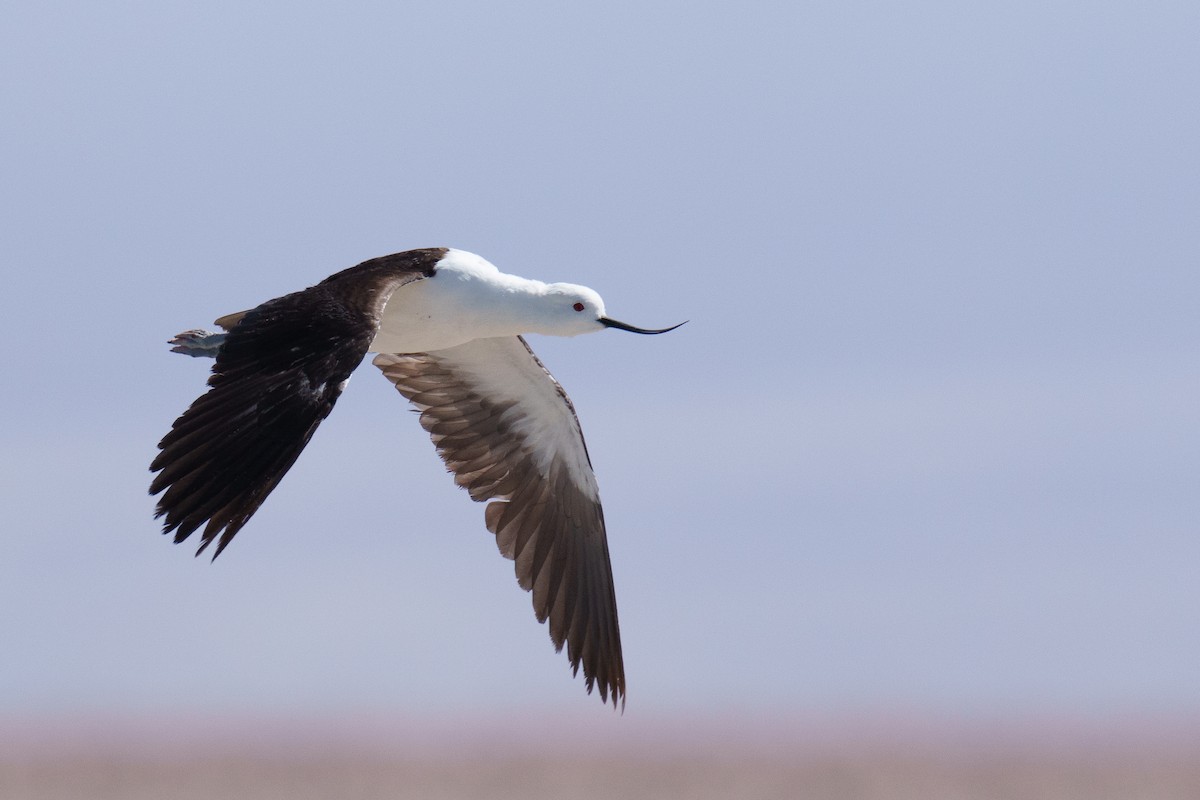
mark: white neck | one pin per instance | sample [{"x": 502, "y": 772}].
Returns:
[{"x": 467, "y": 298}]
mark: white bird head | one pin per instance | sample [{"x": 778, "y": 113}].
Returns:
[{"x": 570, "y": 309}]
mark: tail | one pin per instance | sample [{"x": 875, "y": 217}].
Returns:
[{"x": 198, "y": 343}]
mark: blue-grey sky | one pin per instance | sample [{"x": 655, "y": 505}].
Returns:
[{"x": 930, "y": 441}]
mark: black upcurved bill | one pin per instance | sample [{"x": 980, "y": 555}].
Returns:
[{"x": 612, "y": 323}]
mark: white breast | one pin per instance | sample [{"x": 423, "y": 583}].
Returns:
[{"x": 466, "y": 299}]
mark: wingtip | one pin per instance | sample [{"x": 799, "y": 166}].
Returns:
[{"x": 616, "y": 697}]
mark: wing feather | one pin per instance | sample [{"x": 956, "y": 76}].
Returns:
[
  {"x": 509, "y": 434},
  {"x": 278, "y": 374}
]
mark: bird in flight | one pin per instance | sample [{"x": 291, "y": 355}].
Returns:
[{"x": 447, "y": 328}]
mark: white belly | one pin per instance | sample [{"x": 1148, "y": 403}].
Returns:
[{"x": 466, "y": 299}]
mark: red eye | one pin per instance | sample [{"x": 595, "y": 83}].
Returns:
[{"x": 578, "y": 306}]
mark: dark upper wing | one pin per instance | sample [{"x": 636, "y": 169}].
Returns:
[
  {"x": 508, "y": 432},
  {"x": 277, "y": 375}
]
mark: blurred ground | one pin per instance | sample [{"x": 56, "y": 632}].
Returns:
[
  {"x": 742, "y": 779},
  {"x": 257, "y": 762}
]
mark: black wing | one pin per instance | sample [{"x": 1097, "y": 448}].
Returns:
[{"x": 278, "y": 374}]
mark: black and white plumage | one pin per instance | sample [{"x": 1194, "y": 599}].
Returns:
[{"x": 447, "y": 328}]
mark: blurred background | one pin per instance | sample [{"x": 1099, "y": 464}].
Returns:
[{"x": 909, "y": 506}]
